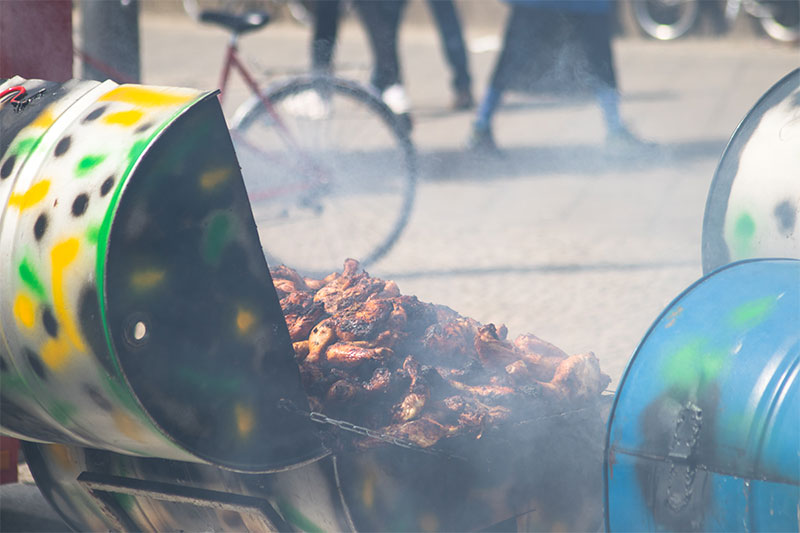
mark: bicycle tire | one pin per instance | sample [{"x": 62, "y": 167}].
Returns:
[
  {"x": 367, "y": 158},
  {"x": 782, "y": 21},
  {"x": 666, "y": 20}
]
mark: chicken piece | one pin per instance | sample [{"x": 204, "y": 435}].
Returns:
[
  {"x": 483, "y": 391},
  {"x": 530, "y": 344},
  {"x": 379, "y": 381},
  {"x": 300, "y": 350},
  {"x": 343, "y": 390},
  {"x": 410, "y": 407},
  {"x": 418, "y": 392},
  {"x": 493, "y": 350},
  {"x": 579, "y": 378},
  {"x": 424, "y": 432},
  {"x": 541, "y": 357},
  {"x": 284, "y": 287},
  {"x": 518, "y": 372},
  {"x": 283, "y": 272},
  {"x": 322, "y": 335},
  {"x": 301, "y": 314},
  {"x": 348, "y": 289},
  {"x": 344, "y": 354},
  {"x": 363, "y": 321},
  {"x": 452, "y": 339}
]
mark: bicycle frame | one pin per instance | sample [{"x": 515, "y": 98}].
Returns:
[{"x": 232, "y": 62}]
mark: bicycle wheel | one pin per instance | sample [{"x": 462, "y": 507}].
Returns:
[
  {"x": 780, "y": 20},
  {"x": 666, "y": 19},
  {"x": 330, "y": 172}
]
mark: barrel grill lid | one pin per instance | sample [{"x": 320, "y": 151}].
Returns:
[{"x": 753, "y": 205}]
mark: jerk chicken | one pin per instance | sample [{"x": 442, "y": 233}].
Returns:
[{"x": 418, "y": 371}]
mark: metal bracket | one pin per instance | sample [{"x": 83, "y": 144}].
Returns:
[{"x": 105, "y": 486}]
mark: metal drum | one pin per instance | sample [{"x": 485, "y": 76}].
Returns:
[
  {"x": 704, "y": 434},
  {"x": 753, "y": 206},
  {"x": 137, "y": 313}
]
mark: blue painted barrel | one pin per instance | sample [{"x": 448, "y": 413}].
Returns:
[{"x": 704, "y": 434}]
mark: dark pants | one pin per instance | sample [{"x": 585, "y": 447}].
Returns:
[
  {"x": 326, "y": 26},
  {"x": 446, "y": 17},
  {"x": 569, "y": 49},
  {"x": 381, "y": 19}
]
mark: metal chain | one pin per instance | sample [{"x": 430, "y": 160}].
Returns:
[{"x": 321, "y": 418}]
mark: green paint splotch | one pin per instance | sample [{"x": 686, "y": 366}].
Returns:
[
  {"x": 93, "y": 234},
  {"x": 694, "y": 365},
  {"x": 87, "y": 163},
  {"x": 744, "y": 229},
  {"x": 296, "y": 517},
  {"x": 26, "y": 146},
  {"x": 29, "y": 278},
  {"x": 217, "y": 234},
  {"x": 751, "y": 314}
]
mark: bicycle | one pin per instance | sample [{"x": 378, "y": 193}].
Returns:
[
  {"x": 671, "y": 19},
  {"x": 330, "y": 170}
]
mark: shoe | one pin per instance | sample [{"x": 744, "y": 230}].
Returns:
[
  {"x": 623, "y": 139},
  {"x": 481, "y": 141},
  {"x": 395, "y": 98},
  {"x": 463, "y": 100}
]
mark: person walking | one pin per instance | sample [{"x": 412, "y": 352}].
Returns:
[
  {"x": 566, "y": 40},
  {"x": 449, "y": 25}
]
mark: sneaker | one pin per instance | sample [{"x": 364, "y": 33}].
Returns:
[
  {"x": 463, "y": 100},
  {"x": 623, "y": 139},
  {"x": 395, "y": 98},
  {"x": 481, "y": 141}
]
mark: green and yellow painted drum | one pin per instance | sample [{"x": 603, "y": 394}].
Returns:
[{"x": 137, "y": 314}]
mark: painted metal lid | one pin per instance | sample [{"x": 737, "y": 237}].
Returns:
[{"x": 753, "y": 205}]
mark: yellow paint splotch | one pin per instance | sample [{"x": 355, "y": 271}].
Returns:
[
  {"x": 127, "y": 425},
  {"x": 245, "y": 419},
  {"x": 147, "y": 279},
  {"x": 56, "y": 353},
  {"x": 144, "y": 96},
  {"x": 124, "y": 118},
  {"x": 35, "y": 194},
  {"x": 244, "y": 320},
  {"x": 24, "y": 310},
  {"x": 211, "y": 178},
  {"x": 44, "y": 120},
  {"x": 62, "y": 255}
]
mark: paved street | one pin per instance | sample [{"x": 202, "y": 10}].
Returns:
[{"x": 559, "y": 238}]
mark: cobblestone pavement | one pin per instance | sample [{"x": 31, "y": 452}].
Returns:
[{"x": 559, "y": 238}]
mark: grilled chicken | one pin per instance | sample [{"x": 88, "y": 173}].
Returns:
[{"x": 417, "y": 371}]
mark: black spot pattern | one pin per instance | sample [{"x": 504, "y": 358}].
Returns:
[
  {"x": 62, "y": 146},
  {"x": 95, "y": 114},
  {"x": 50, "y": 324},
  {"x": 100, "y": 400},
  {"x": 36, "y": 363},
  {"x": 106, "y": 186},
  {"x": 40, "y": 227},
  {"x": 8, "y": 166},
  {"x": 92, "y": 327},
  {"x": 787, "y": 216},
  {"x": 144, "y": 127},
  {"x": 80, "y": 204}
]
